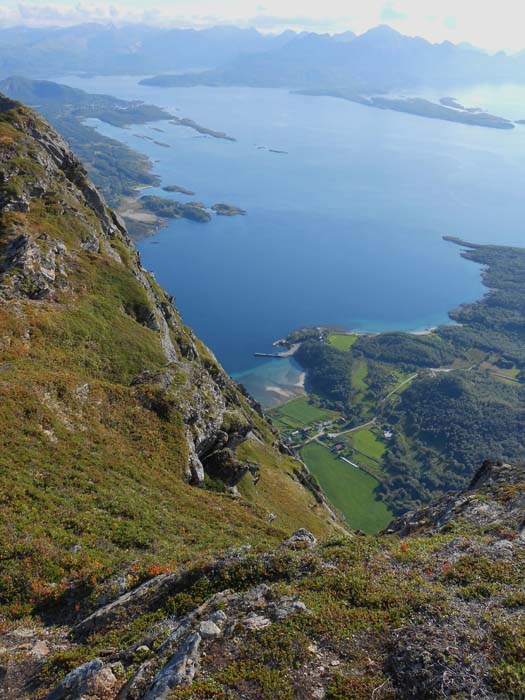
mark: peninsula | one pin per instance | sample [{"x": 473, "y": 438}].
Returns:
[{"x": 171, "y": 209}]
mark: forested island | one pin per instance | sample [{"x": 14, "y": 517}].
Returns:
[
  {"x": 178, "y": 189},
  {"x": 227, "y": 210},
  {"x": 195, "y": 211},
  {"x": 422, "y": 411},
  {"x": 171, "y": 209}
]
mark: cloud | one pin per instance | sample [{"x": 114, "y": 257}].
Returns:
[
  {"x": 481, "y": 23},
  {"x": 390, "y": 13},
  {"x": 266, "y": 22}
]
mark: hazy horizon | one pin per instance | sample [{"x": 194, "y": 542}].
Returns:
[{"x": 486, "y": 27}]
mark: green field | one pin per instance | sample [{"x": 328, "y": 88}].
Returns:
[
  {"x": 298, "y": 413},
  {"x": 368, "y": 442},
  {"x": 342, "y": 341},
  {"x": 359, "y": 375},
  {"x": 351, "y": 490}
]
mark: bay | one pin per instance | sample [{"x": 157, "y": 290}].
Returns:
[{"x": 344, "y": 228}]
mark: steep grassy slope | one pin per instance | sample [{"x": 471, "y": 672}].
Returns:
[{"x": 119, "y": 431}]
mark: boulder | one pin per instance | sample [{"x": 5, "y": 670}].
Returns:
[
  {"x": 302, "y": 539},
  {"x": 92, "y": 679}
]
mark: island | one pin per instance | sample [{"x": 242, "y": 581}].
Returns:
[
  {"x": 228, "y": 210},
  {"x": 201, "y": 129},
  {"x": 162, "y": 209},
  {"x": 420, "y": 107},
  {"x": 178, "y": 189},
  {"x": 171, "y": 209}
]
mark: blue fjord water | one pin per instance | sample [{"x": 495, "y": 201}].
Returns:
[{"x": 343, "y": 229}]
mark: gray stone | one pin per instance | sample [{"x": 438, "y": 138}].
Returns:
[
  {"x": 220, "y": 618},
  {"x": 256, "y": 622},
  {"x": 302, "y": 539},
  {"x": 180, "y": 670},
  {"x": 76, "y": 682},
  {"x": 209, "y": 630},
  {"x": 288, "y": 607}
]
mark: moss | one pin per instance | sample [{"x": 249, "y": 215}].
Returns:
[{"x": 478, "y": 591}]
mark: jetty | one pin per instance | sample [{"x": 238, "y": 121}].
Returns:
[{"x": 285, "y": 353}]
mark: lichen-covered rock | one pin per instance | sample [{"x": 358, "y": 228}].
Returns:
[
  {"x": 302, "y": 539},
  {"x": 180, "y": 670},
  {"x": 93, "y": 679}
]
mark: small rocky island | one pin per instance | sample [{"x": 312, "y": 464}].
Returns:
[
  {"x": 228, "y": 210},
  {"x": 178, "y": 189}
]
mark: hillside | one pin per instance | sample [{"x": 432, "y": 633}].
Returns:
[
  {"x": 434, "y": 609},
  {"x": 124, "y": 445}
]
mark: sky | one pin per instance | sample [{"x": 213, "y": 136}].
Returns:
[{"x": 489, "y": 25}]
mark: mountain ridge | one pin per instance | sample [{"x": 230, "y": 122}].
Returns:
[{"x": 113, "y": 397}]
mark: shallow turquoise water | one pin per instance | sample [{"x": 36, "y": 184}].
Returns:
[{"x": 345, "y": 228}]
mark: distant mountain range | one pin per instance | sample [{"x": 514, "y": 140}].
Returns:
[
  {"x": 133, "y": 49},
  {"x": 381, "y": 59}
]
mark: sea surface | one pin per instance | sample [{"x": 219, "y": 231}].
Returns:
[{"x": 343, "y": 229}]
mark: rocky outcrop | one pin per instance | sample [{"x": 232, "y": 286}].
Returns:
[
  {"x": 180, "y": 643},
  {"x": 494, "y": 497}
]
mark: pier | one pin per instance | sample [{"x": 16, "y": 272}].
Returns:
[{"x": 286, "y": 353}]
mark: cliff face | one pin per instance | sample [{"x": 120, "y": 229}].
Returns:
[{"x": 124, "y": 443}]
